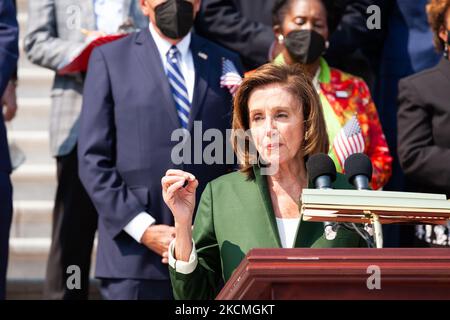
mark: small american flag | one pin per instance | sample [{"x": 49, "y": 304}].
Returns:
[
  {"x": 230, "y": 79},
  {"x": 349, "y": 140}
]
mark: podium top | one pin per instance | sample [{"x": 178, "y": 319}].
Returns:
[{"x": 358, "y": 206}]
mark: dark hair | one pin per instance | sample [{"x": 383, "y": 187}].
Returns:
[
  {"x": 295, "y": 80},
  {"x": 334, "y": 10}
]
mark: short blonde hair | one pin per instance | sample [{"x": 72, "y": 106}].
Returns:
[{"x": 295, "y": 80}]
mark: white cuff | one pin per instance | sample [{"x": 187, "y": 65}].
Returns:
[
  {"x": 136, "y": 227},
  {"x": 182, "y": 266}
]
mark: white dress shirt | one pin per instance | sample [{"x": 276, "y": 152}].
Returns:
[
  {"x": 136, "y": 227},
  {"x": 287, "y": 228},
  {"x": 186, "y": 61}
]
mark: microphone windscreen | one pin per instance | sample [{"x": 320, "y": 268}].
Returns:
[
  {"x": 358, "y": 164},
  {"x": 320, "y": 164}
]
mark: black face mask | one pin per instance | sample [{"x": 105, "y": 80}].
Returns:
[
  {"x": 305, "y": 46},
  {"x": 175, "y": 18}
]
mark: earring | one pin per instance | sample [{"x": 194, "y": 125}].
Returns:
[
  {"x": 327, "y": 44},
  {"x": 280, "y": 39}
]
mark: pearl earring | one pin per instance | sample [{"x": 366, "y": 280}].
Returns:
[{"x": 280, "y": 39}]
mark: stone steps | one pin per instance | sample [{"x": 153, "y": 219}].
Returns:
[
  {"x": 34, "y": 144},
  {"x": 32, "y": 219},
  {"x": 32, "y": 115},
  {"x": 34, "y": 182},
  {"x": 32, "y": 289}
]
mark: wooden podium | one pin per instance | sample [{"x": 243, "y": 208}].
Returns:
[{"x": 322, "y": 274}]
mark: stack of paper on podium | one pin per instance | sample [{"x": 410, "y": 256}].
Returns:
[
  {"x": 358, "y": 206},
  {"x": 81, "y": 61}
]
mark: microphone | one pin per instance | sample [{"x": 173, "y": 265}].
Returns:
[
  {"x": 358, "y": 169},
  {"x": 322, "y": 173}
]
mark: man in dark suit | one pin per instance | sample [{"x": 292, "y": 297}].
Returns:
[
  {"x": 8, "y": 62},
  {"x": 53, "y": 37},
  {"x": 140, "y": 92}
]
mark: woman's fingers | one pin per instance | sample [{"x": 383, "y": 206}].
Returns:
[
  {"x": 181, "y": 173},
  {"x": 175, "y": 187},
  {"x": 192, "y": 186},
  {"x": 167, "y": 181}
]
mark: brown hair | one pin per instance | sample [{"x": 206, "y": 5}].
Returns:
[
  {"x": 295, "y": 80},
  {"x": 437, "y": 10}
]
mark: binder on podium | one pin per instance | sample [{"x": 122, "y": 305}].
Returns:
[{"x": 359, "y": 206}]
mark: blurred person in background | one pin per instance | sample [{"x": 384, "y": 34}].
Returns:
[
  {"x": 401, "y": 45},
  {"x": 141, "y": 93},
  {"x": 9, "y": 51},
  {"x": 57, "y": 32},
  {"x": 424, "y": 124},
  {"x": 302, "y": 28}
]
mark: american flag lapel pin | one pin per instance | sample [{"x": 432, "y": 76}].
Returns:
[
  {"x": 203, "y": 55},
  {"x": 230, "y": 79}
]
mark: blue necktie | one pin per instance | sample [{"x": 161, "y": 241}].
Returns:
[{"x": 178, "y": 86}]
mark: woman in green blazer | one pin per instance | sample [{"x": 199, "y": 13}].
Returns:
[{"x": 277, "y": 112}]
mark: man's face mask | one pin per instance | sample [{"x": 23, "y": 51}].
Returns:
[
  {"x": 305, "y": 46},
  {"x": 175, "y": 18}
]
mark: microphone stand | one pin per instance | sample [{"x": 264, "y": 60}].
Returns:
[{"x": 378, "y": 229}]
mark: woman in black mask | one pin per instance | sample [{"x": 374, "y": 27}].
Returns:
[{"x": 302, "y": 27}]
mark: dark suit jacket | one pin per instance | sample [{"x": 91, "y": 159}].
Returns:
[
  {"x": 241, "y": 25},
  {"x": 9, "y": 51},
  {"x": 403, "y": 45},
  {"x": 424, "y": 128},
  {"x": 236, "y": 215},
  {"x": 125, "y": 146}
]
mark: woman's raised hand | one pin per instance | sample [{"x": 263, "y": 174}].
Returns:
[{"x": 180, "y": 198}]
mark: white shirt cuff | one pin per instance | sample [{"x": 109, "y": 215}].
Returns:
[
  {"x": 136, "y": 227},
  {"x": 182, "y": 266}
]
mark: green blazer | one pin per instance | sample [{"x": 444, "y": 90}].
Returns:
[{"x": 235, "y": 215}]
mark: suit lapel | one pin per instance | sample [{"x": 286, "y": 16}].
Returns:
[
  {"x": 151, "y": 63},
  {"x": 202, "y": 71},
  {"x": 265, "y": 197}
]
